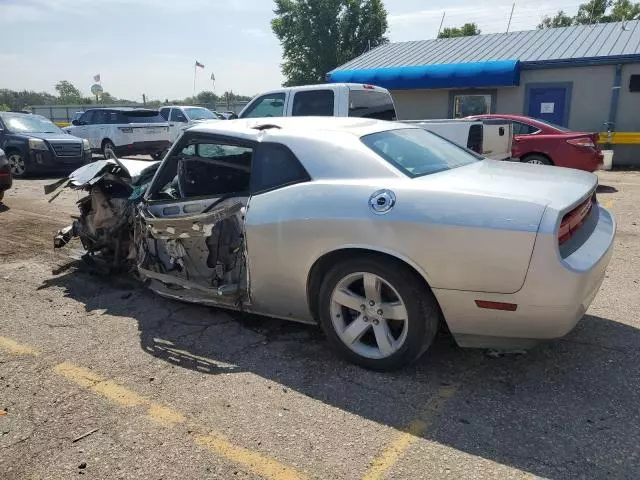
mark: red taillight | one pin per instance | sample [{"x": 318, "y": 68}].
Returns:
[
  {"x": 573, "y": 220},
  {"x": 585, "y": 142}
]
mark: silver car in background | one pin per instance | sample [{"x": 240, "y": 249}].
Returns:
[{"x": 378, "y": 231}]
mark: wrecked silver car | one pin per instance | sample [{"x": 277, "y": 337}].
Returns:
[{"x": 378, "y": 231}]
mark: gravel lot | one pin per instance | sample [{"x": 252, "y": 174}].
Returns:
[{"x": 166, "y": 390}]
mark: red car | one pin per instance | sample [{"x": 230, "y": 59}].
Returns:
[{"x": 537, "y": 141}]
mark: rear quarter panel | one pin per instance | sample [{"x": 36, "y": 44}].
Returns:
[{"x": 450, "y": 239}]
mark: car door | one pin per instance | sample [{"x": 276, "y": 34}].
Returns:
[
  {"x": 524, "y": 137},
  {"x": 192, "y": 242},
  {"x": 83, "y": 125},
  {"x": 268, "y": 105},
  {"x": 96, "y": 131},
  {"x": 177, "y": 122}
]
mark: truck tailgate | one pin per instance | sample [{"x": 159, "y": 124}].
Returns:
[{"x": 497, "y": 138}]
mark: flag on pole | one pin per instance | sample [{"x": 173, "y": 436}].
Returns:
[
  {"x": 96, "y": 78},
  {"x": 198, "y": 64},
  {"x": 213, "y": 77}
]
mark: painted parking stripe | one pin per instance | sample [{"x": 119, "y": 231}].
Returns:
[
  {"x": 15, "y": 348},
  {"x": 253, "y": 461},
  {"x": 398, "y": 446}
]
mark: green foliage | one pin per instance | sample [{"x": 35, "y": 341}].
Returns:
[
  {"x": 319, "y": 35},
  {"x": 560, "y": 19},
  {"x": 15, "y": 100},
  {"x": 595, "y": 11},
  {"x": 466, "y": 30},
  {"x": 206, "y": 97},
  {"x": 67, "y": 92},
  {"x": 4, "y": 107}
]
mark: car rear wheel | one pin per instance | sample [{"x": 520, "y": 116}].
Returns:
[
  {"x": 537, "y": 160},
  {"x": 17, "y": 164},
  {"x": 109, "y": 150},
  {"x": 376, "y": 314}
]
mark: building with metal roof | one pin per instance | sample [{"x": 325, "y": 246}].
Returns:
[{"x": 584, "y": 77}]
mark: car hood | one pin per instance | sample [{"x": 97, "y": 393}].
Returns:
[
  {"x": 545, "y": 185},
  {"x": 50, "y": 136}
]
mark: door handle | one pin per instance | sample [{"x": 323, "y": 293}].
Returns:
[{"x": 172, "y": 124}]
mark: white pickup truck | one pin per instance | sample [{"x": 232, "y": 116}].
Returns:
[{"x": 489, "y": 138}]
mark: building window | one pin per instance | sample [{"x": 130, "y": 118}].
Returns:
[
  {"x": 634, "y": 83},
  {"x": 465, "y": 105}
]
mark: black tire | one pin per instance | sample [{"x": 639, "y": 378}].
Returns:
[
  {"x": 108, "y": 146},
  {"x": 1, "y": 196},
  {"x": 422, "y": 311},
  {"x": 17, "y": 164},
  {"x": 537, "y": 159}
]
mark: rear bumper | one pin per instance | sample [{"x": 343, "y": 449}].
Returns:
[
  {"x": 143, "y": 148},
  {"x": 555, "y": 296},
  {"x": 47, "y": 161}
]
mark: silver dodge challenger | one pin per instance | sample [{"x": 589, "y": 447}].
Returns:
[{"x": 380, "y": 232}]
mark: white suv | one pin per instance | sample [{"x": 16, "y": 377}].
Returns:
[
  {"x": 123, "y": 131},
  {"x": 181, "y": 117}
]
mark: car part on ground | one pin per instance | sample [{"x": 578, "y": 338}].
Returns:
[{"x": 269, "y": 216}]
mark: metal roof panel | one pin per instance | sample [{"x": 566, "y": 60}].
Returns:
[{"x": 567, "y": 43}]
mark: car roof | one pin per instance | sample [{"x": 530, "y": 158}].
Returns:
[
  {"x": 123, "y": 109},
  {"x": 305, "y": 126}
]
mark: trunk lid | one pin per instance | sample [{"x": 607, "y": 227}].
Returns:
[{"x": 560, "y": 188}]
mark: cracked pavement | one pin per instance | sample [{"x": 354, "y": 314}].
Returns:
[{"x": 184, "y": 391}]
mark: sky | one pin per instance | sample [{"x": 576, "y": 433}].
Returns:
[{"x": 151, "y": 46}]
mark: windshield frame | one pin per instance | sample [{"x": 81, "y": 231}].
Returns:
[
  {"x": 7, "y": 117},
  {"x": 465, "y": 153},
  {"x": 188, "y": 110}
]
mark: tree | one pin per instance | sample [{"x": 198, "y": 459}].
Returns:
[
  {"x": 560, "y": 19},
  {"x": 4, "y": 107},
  {"x": 319, "y": 35},
  {"x": 67, "y": 92},
  {"x": 106, "y": 97},
  {"x": 466, "y": 30},
  {"x": 625, "y": 10},
  {"x": 595, "y": 11},
  {"x": 592, "y": 12},
  {"x": 207, "y": 97}
]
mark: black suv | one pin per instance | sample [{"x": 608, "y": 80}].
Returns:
[{"x": 34, "y": 144}]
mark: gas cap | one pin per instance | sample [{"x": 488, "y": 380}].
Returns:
[{"x": 382, "y": 201}]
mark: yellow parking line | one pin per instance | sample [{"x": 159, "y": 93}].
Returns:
[
  {"x": 608, "y": 203},
  {"x": 15, "y": 348},
  {"x": 253, "y": 461},
  {"x": 383, "y": 462}
]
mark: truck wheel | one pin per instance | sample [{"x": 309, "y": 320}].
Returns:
[
  {"x": 17, "y": 164},
  {"x": 109, "y": 150},
  {"x": 377, "y": 314}
]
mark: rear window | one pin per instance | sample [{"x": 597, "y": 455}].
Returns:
[
  {"x": 146, "y": 116},
  {"x": 417, "y": 152},
  {"x": 371, "y": 104},
  {"x": 313, "y": 103}
]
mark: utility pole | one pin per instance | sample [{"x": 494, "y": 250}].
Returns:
[
  {"x": 511, "y": 16},
  {"x": 144, "y": 99},
  {"x": 441, "y": 22}
]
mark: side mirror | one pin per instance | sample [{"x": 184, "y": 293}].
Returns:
[{"x": 75, "y": 122}]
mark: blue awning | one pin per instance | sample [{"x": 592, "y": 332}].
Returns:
[{"x": 502, "y": 73}]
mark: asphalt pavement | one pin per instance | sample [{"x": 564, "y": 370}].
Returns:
[{"x": 101, "y": 378}]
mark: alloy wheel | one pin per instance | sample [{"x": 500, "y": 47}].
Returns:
[
  {"x": 16, "y": 164},
  {"x": 368, "y": 315}
]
